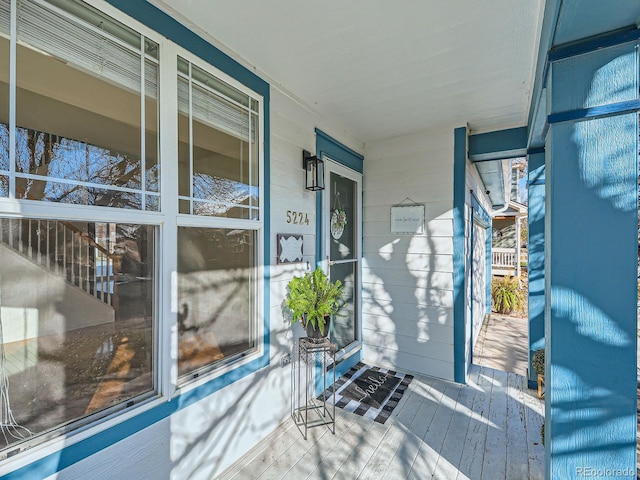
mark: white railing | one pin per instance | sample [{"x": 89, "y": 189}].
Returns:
[
  {"x": 504, "y": 258},
  {"x": 65, "y": 251}
]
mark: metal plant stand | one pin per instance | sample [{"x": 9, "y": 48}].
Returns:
[{"x": 309, "y": 411}]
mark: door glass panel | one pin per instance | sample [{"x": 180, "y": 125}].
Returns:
[
  {"x": 343, "y": 254},
  {"x": 342, "y": 219},
  {"x": 344, "y": 327}
]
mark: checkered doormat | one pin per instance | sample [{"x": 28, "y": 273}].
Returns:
[{"x": 370, "y": 392}]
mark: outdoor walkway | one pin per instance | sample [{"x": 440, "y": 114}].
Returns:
[
  {"x": 488, "y": 429},
  {"x": 503, "y": 344}
]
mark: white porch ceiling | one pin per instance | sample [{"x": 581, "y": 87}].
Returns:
[{"x": 384, "y": 68}]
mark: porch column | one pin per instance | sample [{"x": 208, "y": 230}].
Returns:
[
  {"x": 591, "y": 262},
  {"x": 535, "y": 245}
]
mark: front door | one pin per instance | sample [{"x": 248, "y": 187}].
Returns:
[{"x": 342, "y": 246}]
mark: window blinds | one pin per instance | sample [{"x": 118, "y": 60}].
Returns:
[
  {"x": 5, "y": 13},
  {"x": 83, "y": 45},
  {"x": 214, "y": 111}
]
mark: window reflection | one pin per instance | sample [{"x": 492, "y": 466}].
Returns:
[
  {"x": 62, "y": 362},
  {"x": 216, "y": 291}
]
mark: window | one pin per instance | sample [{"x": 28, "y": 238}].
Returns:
[
  {"x": 218, "y": 177},
  {"x": 82, "y": 108},
  {"x": 76, "y": 311},
  {"x": 82, "y": 256}
]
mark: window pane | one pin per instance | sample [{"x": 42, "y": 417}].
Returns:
[
  {"x": 151, "y": 126},
  {"x": 78, "y": 107},
  {"x": 218, "y": 147},
  {"x": 62, "y": 363},
  {"x": 184, "y": 156},
  {"x": 216, "y": 291}
]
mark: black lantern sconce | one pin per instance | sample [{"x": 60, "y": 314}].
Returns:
[{"x": 314, "y": 171}]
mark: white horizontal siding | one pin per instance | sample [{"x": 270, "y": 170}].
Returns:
[{"x": 407, "y": 290}]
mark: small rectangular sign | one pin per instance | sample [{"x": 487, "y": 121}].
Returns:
[
  {"x": 290, "y": 248},
  {"x": 407, "y": 219}
]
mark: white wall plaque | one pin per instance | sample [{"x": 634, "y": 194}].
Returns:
[
  {"x": 290, "y": 248},
  {"x": 407, "y": 219}
]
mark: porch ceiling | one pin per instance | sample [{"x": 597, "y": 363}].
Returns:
[{"x": 381, "y": 69}]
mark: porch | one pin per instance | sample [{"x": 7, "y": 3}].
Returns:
[{"x": 487, "y": 429}]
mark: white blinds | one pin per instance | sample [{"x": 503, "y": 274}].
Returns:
[
  {"x": 82, "y": 45},
  {"x": 5, "y": 13},
  {"x": 214, "y": 111}
]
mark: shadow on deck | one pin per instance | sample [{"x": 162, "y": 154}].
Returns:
[{"x": 489, "y": 429}]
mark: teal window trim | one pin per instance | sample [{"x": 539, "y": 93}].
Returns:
[{"x": 160, "y": 22}]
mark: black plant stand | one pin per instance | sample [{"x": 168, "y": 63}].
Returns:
[{"x": 310, "y": 355}]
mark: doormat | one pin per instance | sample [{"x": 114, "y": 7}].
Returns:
[{"x": 370, "y": 392}]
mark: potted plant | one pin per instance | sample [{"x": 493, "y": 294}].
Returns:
[
  {"x": 537, "y": 362},
  {"x": 313, "y": 299},
  {"x": 506, "y": 294}
]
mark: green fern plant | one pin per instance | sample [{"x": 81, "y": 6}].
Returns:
[
  {"x": 506, "y": 294},
  {"x": 313, "y": 297}
]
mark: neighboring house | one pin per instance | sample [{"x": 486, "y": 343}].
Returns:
[
  {"x": 151, "y": 156},
  {"x": 506, "y": 245}
]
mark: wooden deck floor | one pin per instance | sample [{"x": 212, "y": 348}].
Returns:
[{"x": 488, "y": 429}]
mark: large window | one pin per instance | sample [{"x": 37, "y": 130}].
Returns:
[
  {"x": 218, "y": 178},
  {"x": 81, "y": 257}
]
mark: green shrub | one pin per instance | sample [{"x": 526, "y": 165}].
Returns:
[
  {"x": 537, "y": 361},
  {"x": 506, "y": 294}
]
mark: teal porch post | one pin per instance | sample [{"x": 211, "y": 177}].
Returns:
[
  {"x": 535, "y": 245},
  {"x": 591, "y": 264}
]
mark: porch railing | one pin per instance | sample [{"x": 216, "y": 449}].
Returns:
[{"x": 504, "y": 258}]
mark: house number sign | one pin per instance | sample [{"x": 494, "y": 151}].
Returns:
[{"x": 297, "y": 218}]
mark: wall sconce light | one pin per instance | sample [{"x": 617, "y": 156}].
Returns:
[{"x": 314, "y": 171}]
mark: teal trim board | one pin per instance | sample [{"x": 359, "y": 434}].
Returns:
[
  {"x": 591, "y": 269},
  {"x": 59, "y": 460},
  {"x": 338, "y": 152},
  {"x": 498, "y": 145},
  {"x": 162, "y": 23},
  {"x": 535, "y": 244},
  {"x": 459, "y": 296}
]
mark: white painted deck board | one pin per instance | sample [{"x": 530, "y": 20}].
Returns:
[
  {"x": 488, "y": 429},
  {"x": 481, "y": 379},
  {"x": 495, "y": 450},
  {"x": 517, "y": 455}
]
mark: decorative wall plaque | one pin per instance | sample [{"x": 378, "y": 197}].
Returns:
[
  {"x": 407, "y": 219},
  {"x": 290, "y": 248}
]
